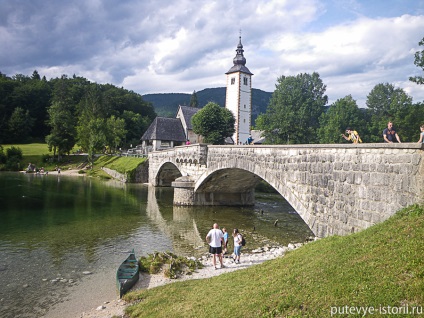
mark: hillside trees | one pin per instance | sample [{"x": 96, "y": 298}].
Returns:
[
  {"x": 19, "y": 125},
  {"x": 341, "y": 114},
  {"x": 54, "y": 108},
  {"x": 294, "y": 109},
  {"x": 33, "y": 95},
  {"x": 136, "y": 125},
  {"x": 61, "y": 113},
  {"x": 30, "y": 94},
  {"x": 214, "y": 123}
]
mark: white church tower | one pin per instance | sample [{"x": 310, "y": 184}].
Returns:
[{"x": 239, "y": 96}]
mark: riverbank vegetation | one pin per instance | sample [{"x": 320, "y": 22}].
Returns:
[
  {"x": 17, "y": 157},
  {"x": 71, "y": 110},
  {"x": 39, "y": 155},
  {"x": 170, "y": 264},
  {"x": 381, "y": 266}
]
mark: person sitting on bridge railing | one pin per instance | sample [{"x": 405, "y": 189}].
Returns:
[
  {"x": 352, "y": 135},
  {"x": 421, "y": 134},
  {"x": 389, "y": 134}
]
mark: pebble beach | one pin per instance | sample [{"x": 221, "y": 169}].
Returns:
[{"x": 116, "y": 307}]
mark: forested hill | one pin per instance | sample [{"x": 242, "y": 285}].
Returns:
[{"x": 166, "y": 105}]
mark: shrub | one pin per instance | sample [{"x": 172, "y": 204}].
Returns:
[
  {"x": 13, "y": 158},
  {"x": 172, "y": 265},
  {"x": 14, "y": 152},
  {"x": 2, "y": 156}
]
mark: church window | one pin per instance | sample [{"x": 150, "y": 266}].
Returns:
[
  {"x": 245, "y": 106},
  {"x": 233, "y": 80},
  {"x": 245, "y": 80}
]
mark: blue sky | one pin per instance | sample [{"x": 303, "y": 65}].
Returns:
[{"x": 162, "y": 46}]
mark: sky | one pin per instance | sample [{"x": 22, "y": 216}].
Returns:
[{"x": 181, "y": 46}]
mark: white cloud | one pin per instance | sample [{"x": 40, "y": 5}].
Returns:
[{"x": 154, "y": 46}]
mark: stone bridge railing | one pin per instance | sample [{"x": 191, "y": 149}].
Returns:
[{"x": 336, "y": 189}]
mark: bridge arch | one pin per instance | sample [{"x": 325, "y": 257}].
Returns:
[
  {"x": 166, "y": 174},
  {"x": 242, "y": 180}
]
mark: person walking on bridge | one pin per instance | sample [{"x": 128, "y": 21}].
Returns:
[{"x": 215, "y": 238}]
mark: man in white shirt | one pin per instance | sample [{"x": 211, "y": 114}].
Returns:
[{"x": 215, "y": 239}]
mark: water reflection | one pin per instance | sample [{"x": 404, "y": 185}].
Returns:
[{"x": 181, "y": 229}]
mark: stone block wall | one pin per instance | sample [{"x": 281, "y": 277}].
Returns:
[{"x": 189, "y": 159}]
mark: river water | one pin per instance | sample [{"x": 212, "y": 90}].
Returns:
[{"x": 62, "y": 236}]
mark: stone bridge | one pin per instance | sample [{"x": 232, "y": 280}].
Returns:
[{"x": 336, "y": 189}]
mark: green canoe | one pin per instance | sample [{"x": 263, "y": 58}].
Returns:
[{"x": 127, "y": 274}]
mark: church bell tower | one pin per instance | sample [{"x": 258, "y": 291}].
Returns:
[{"x": 239, "y": 95}]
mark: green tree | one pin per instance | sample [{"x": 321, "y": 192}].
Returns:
[
  {"x": 92, "y": 136},
  {"x": 115, "y": 132},
  {"x": 293, "y": 112},
  {"x": 135, "y": 125},
  {"x": 410, "y": 123},
  {"x": 62, "y": 134},
  {"x": 341, "y": 114},
  {"x": 386, "y": 103},
  {"x": 35, "y": 76},
  {"x": 214, "y": 123},
  {"x": 34, "y": 95},
  {"x": 20, "y": 124},
  {"x": 7, "y": 86},
  {"x": 14, "y": 157},
  {"x": 91, "y": 128},
  {"x": 419, "y": 62},
  {"x": 2, "y": 157},
  {"x": 193, "y": 100}
]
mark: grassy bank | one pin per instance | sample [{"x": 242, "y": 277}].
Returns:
[
  {"x": 121, "y": 164},
  {"x": 124, "y": 165},
  {"x": 380, "y": 266},
  {"x": 39, "y": 155}
]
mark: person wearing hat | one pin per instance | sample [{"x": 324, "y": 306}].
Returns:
[{"x": 352, "y": 135}]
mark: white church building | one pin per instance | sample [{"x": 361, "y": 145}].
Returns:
[{"x": 166, "y": 133}]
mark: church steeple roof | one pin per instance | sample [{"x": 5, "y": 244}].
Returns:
[{"x": 239, "y": 61}]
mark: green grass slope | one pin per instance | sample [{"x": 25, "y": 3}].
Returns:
[
  {"x": 381, "y": 267},
  {"x": 120, "y": 164},
  {"x": 124, "y": 165}
]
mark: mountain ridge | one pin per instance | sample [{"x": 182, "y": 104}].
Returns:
[{"x": 166, "y": 104}]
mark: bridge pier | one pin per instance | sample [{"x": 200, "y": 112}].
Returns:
[{"x": 184, "y": 194}]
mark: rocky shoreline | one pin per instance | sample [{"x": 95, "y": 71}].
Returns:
[{"x": 116, "y": 307}]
